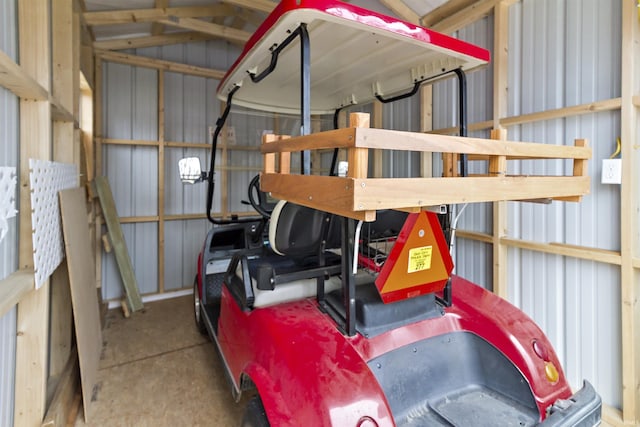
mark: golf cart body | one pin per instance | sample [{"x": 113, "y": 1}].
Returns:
[{"x": 323, "y": 318}]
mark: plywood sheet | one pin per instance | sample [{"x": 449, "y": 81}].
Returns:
[{"x": 82, "y": 277}]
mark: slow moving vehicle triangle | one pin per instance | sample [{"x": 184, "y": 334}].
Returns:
[{"x": 419, "y": 263}]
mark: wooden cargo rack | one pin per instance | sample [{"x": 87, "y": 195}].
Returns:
[{"x": 359, "y": 196}]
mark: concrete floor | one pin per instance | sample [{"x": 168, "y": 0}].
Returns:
[{"x": 157, "y": 370}]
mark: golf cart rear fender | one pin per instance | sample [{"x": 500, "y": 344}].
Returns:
[
  {"x": 275, "y": 406},
  {"x": 514, "y": 334}
]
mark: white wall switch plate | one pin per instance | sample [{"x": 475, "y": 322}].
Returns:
[{"x": 612, "y": 171}]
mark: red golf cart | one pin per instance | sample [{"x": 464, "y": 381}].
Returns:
[{"x": 337, "y": 306}]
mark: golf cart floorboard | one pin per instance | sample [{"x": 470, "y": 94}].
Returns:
[{"x": 474, "y": 406}]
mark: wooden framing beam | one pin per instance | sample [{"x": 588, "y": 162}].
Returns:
[
  {"x": 426, "y": 124},
  {"x": 15, "y": 79},
  {"x": 580, "y": 252},
  {"x": 259, "y": 5},
  {"x": 629, "y": 204},
  {"x": 114, "y": 17},
  {"x": 65, "y": 50},
  {"x": 403, "y": 11},
  {"x": 377, "y": 124},
  {"x": 443, "y": 11},
  {"x": 150, "y": 41},
  {"x": 14, "y": 287},
  {"x": 558, "y": 113},
  {"x": 466, "y": 16},
  {"x": 209, "y": 28},
  {"x": 159, "y": 64},
  {"x": 498, "y": 166},
  {"x": 32, "y": 326},
  {"x": 156, "y": 27},
  {"x": 161, "y": 176}
]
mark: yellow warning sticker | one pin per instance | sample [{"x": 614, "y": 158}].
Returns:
[{"x": 420, "y": 259}]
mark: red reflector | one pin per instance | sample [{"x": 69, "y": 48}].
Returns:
[{"x": 540, "y": 350}]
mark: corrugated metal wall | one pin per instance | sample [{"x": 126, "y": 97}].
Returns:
[
  {"x": 9, "y": 149},
  {"x": 472, "y": 259},
  {"x": 561, "y": 53},
  {"x": 130, "y": 111}
]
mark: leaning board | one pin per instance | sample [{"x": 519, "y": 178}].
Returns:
[{"x": 80, "y": 260}]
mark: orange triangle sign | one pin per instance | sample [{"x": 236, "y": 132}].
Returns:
[{"x": 419, "y": 263}]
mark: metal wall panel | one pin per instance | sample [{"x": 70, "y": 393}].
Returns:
[
  {"x": 564, "y": 53},
  {"x": 561, "y": 53},
  {"x": 9, "y": 149},
  {"x": 130, "y": 112},
  {"x": 191, "y": 110},
  {"x": 473, "y": 260},
  {"x": 7, "y": 365},
  {"x": 183, "y": 241},
  {"x": 401, "y": 115}
]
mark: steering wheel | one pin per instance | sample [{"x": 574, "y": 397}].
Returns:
[{"x": 259, "y": 199}]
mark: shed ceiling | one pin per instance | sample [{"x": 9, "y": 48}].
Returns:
[{"x": 243, "y": 15}]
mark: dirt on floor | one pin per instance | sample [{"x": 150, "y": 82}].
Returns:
[{"x": 157, "y": 370}]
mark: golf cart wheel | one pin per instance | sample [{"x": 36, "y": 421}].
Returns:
[
  {"x": 197, "y": 308},
  {"x": 254, "y": 415}
]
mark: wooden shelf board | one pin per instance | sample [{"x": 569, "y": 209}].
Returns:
[
  {"x": 357, "y": 198},
  {"x": 424, "y": 142}
]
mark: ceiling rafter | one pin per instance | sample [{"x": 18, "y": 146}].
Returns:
[
  {"x": 128, "y": 16},
  {"x": 216, "y": 30},
  {"x": 159, "y": 64},
  {"x": 445, "y": 10},
  {"x": 465, "y": 16},
  {"x": 403, "y": 11},
  {"x": 156, "y": 27},
  {"x": 259, "y": 5},
  {"x": 151, "y": 41}
]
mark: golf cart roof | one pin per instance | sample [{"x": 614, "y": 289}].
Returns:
[{"x": 356, "y": 54}]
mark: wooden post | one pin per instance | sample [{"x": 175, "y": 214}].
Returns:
[
  {"x": 342, "y": 123},
  {"x": 630, "y": 310},
  {"x": 97, "y": 144},
  {"x": 269, "y": 159},
  {"x": 65, "y": 52},
  {"x": 315, "y": 154},
  {"x": 499, "y": 166},
  {"x": 377, "y": 154},
  {"x": 35, "y": 142},
  {"x": 160, "y": 181},
  {"x": 426, "y": 124},
  {"x": 358, "y": 157}
]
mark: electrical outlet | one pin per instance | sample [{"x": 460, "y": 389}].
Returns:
[{"x": 612, "y": 171}]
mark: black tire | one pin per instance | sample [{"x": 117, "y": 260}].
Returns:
[
  {"x": 254, "y": 414},
  {"x": 197, "y": 308}
]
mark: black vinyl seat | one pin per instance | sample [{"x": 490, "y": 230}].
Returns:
[{"x": 290, "y": 267}]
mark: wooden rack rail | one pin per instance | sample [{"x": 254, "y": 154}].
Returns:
[{"x": 358, "y": 196}]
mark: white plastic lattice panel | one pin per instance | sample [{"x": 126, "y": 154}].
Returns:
[
  {"x": 47, "y": 179},
  {"x": 8, "y": 182}
]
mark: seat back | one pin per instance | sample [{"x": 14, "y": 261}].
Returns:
[{"x": 298, "y": 231}]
